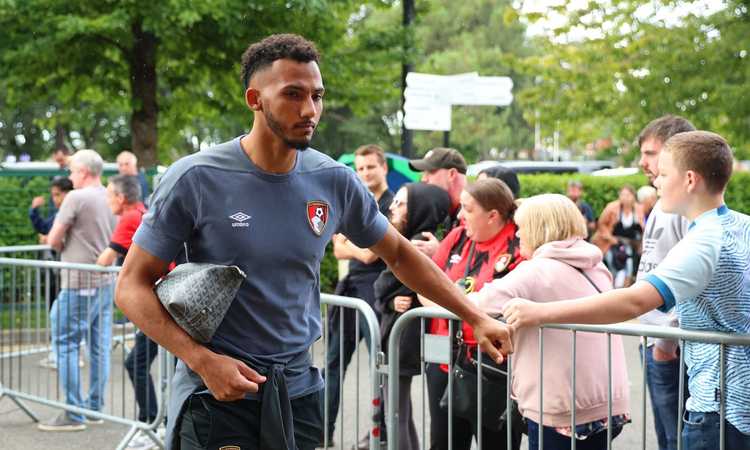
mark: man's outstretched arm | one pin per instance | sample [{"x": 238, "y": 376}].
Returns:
[
  {"x": 226, "y": 378},
  {"x": 421, "y": 275}
]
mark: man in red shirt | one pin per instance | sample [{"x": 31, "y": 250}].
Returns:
[{"x": 123, "y": 197}]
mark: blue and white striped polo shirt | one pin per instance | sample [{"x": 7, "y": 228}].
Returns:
[{"x": 707, "y": 277}]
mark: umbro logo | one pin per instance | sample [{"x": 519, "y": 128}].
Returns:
[{"x": 240, "y": 219}]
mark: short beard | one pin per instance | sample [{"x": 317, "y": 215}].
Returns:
[{"x": 275, "y": 126}]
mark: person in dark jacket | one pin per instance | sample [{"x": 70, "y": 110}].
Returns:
[
  {"x": 58, "y": 188},
  {"x": 417, "y": 207}
]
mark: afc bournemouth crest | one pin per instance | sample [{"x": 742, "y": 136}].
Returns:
[
  {"x": 502, "y": 262},
  {"x": 317, "y": 216}
]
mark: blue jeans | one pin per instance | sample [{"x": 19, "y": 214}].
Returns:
[
  {"x": 701, "y": 432},
  {"x": 138, "y": 364},
  {"x": 556, "y": 441},
  {"x": 79, "y": 314},
  {"x": 663, "y": 381}
]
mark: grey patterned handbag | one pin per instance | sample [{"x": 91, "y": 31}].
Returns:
[{"x": 198, "y": 296}]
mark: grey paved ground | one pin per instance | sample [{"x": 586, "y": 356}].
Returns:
[{"x": 18, "y": 432}]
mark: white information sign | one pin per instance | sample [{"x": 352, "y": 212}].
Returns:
[
  {"x": 428, "y": 97},
  {"x": 489, "y": 91}
]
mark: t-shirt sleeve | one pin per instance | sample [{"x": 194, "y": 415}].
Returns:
[
  {"x": 361, "y": 221},
  {"x": 68, "y": 210},
  {"x": 688, "y": 267},
  {"x": 172, "y": 214}
]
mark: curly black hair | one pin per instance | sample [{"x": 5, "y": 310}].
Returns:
[
  {"x": 62, "y": 183},
  {"x": 277, "y": 46}
]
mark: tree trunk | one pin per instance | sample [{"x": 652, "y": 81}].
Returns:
[
  {"x": 143, "y": 123},
  {"x": 61, "y": 133}
]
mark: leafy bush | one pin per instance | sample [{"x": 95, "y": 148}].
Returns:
[
  {"x": 15, "y": 197},
  {"x": 598, "y": 191}
]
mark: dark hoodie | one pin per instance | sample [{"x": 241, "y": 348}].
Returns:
[{"x": 427, "y": 208}]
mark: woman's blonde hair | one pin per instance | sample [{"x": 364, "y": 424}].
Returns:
[{"x": 549, "y": 217}]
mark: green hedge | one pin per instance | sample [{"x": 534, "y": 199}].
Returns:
[
  {"x": 15, "y": 199},
  {"x": 16, "y": 195},
  {"x": 598, "y": 191}
]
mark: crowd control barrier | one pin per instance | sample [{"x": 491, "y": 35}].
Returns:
[
  {"x": 436, "y": 349},
  {"x": 364, "y": 315},
  {"x": 28, "y": 291},
  {"x": 33, "y": 368}
]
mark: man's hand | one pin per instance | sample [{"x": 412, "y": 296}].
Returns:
[
  {"x": 520, "y": 313},
  {"x": 495, "y": 338},
  {"x": 37, "y": 202},
  {"x": 227, "y": 378},
  {"x": 428, "y": 246},
  {"x": 401, "y": 303}
]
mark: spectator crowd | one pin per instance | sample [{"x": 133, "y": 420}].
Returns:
[{"x": 498, "y": 249}]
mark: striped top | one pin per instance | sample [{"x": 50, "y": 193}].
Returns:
[{"x": 707, "y": 277}]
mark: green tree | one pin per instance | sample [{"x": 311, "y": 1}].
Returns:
[
  {"x": 449, "y": 38},
  {"x": 637, "y": 60},
  {"x": 476, "y": 35},
  {"x": 166, "y": 71}
]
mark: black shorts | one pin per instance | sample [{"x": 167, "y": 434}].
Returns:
[{"x": 207, "y": 423}]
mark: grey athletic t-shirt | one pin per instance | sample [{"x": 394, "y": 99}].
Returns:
[
  {"x": 90, "y": 224},
  {"x": 662, "y": 232},
  {"x": 275, "y": 228}
]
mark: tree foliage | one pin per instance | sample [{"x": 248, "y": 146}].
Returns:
[
  {"x": 130, "y": 68},
  {"x": 635, "y": 60}
]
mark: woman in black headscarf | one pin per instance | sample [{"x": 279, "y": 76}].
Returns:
[{"x": 416, "y": 207}]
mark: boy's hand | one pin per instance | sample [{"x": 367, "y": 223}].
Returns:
[
  {"x": 520, "y": 313},
  {"x": 495, "y": 338},
  {"x": 36, "y": 202}
]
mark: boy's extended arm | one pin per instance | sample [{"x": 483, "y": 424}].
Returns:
[{"x": 613, "y": 306}]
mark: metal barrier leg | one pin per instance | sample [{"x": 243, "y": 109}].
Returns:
[
  {"x": 128, "y": 437},
  {"x": 18, "y": 402}
]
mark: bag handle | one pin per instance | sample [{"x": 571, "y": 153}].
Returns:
[{"x": 585, "y": 276}]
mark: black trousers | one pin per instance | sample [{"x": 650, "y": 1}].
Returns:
[
  {"x": 210, "y": 424},
  {"x": 463, "y": 430}
]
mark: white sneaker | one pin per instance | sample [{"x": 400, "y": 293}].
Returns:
[
  {"x": 141, "y": 441},
  {"x": 47, "y": 363},
  {"x": 61, "y": 422}
]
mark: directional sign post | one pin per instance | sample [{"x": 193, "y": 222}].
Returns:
[{"x": 429, "y": 97}]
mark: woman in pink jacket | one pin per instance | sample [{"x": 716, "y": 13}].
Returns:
[{"x": 560, "y": 264}]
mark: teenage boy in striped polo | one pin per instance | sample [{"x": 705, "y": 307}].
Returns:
[{"x": 706, "y": 276}]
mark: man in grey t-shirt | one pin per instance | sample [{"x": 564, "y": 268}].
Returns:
[
  {"x": 83, "y": 309},
  {"x": 661, "y": 233},
  {"x": 268, "y": 203}
]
